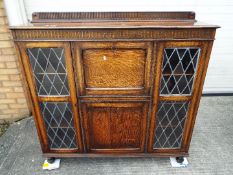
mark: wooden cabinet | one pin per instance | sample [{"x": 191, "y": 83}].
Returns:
[{"x": 114, "y": 84}]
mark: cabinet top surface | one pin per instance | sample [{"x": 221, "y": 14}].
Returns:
[{"x": 82, "y": 20}]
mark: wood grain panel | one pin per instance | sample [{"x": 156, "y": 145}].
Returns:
[
  {"x": 113, "y": 68},
  {"x": 99, "y": 125},
  {"x": 126, "y": 127},
  {"x": 115, "y": 127},
  {"x": 107, "y": 68}
]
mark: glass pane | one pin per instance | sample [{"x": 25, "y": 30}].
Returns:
[
  {"x": 59, "y": 124},
  {"x": 49, "y": 70},
  {"x": 178, "y": 72},
  {"x": 171, "y": 116}
]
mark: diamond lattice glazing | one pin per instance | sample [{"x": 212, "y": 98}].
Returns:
[
  {"x": 59, "y": 124},
  {"x": 178, "y": 72},
  {"x": 49, "y": 69},
  {"x": 170, "y": 121}
]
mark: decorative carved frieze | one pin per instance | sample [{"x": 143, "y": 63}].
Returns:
[{"x": 109, "y": 34}]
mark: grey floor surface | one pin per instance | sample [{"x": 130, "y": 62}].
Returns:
[{"x": 211, "y": 150}]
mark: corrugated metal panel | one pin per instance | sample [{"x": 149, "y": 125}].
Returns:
[{"x": 220, "y": 73}]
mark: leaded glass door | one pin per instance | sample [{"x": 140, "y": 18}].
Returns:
[
  {"x": 177, "y": 77},
  {"x": 49, "y": 72}
]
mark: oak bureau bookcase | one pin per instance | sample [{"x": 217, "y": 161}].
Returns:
[{"x": 114, "y": 83}]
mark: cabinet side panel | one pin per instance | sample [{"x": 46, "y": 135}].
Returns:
[{"x": 197, "y": 94}]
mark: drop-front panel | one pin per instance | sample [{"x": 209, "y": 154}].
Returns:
[{"x": 132, "y": 93}]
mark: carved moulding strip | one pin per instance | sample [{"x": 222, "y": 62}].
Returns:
[
  {"x": 124, "y": 16},
  {"x": 107, "y": 34}
]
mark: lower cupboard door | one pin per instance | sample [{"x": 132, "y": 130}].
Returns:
[{"x": 115, "y": 127}]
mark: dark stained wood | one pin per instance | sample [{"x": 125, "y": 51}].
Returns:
[
  {"x": 115, "y": 20},
  {"x": 155, "y": 94},
  {"x": 115, "y": 127},
  {"x": 73, "y": 96},
  {"x": 114, "y": 62},
  {"x": 44, "y": 17}
]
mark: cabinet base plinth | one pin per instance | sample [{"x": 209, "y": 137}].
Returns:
[{"x": 60, "y": 155}]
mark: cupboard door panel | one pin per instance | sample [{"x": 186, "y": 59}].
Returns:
[
  {"x": 113, "y": 68},
  {"x": 99, "y": 125},
  {"x": 115, "y": 127},
  {"x": 49, "y": 73},
  {"x": 107, "y": 68},
  {"x": 177, "y": 79}
]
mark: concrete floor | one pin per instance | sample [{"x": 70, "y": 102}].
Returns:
[{"x": 211, "y": 150}]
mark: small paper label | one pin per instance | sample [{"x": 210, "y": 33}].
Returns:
[
  {"x": 51, "y": 166},
  {"x": 45, "y": 165}
]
